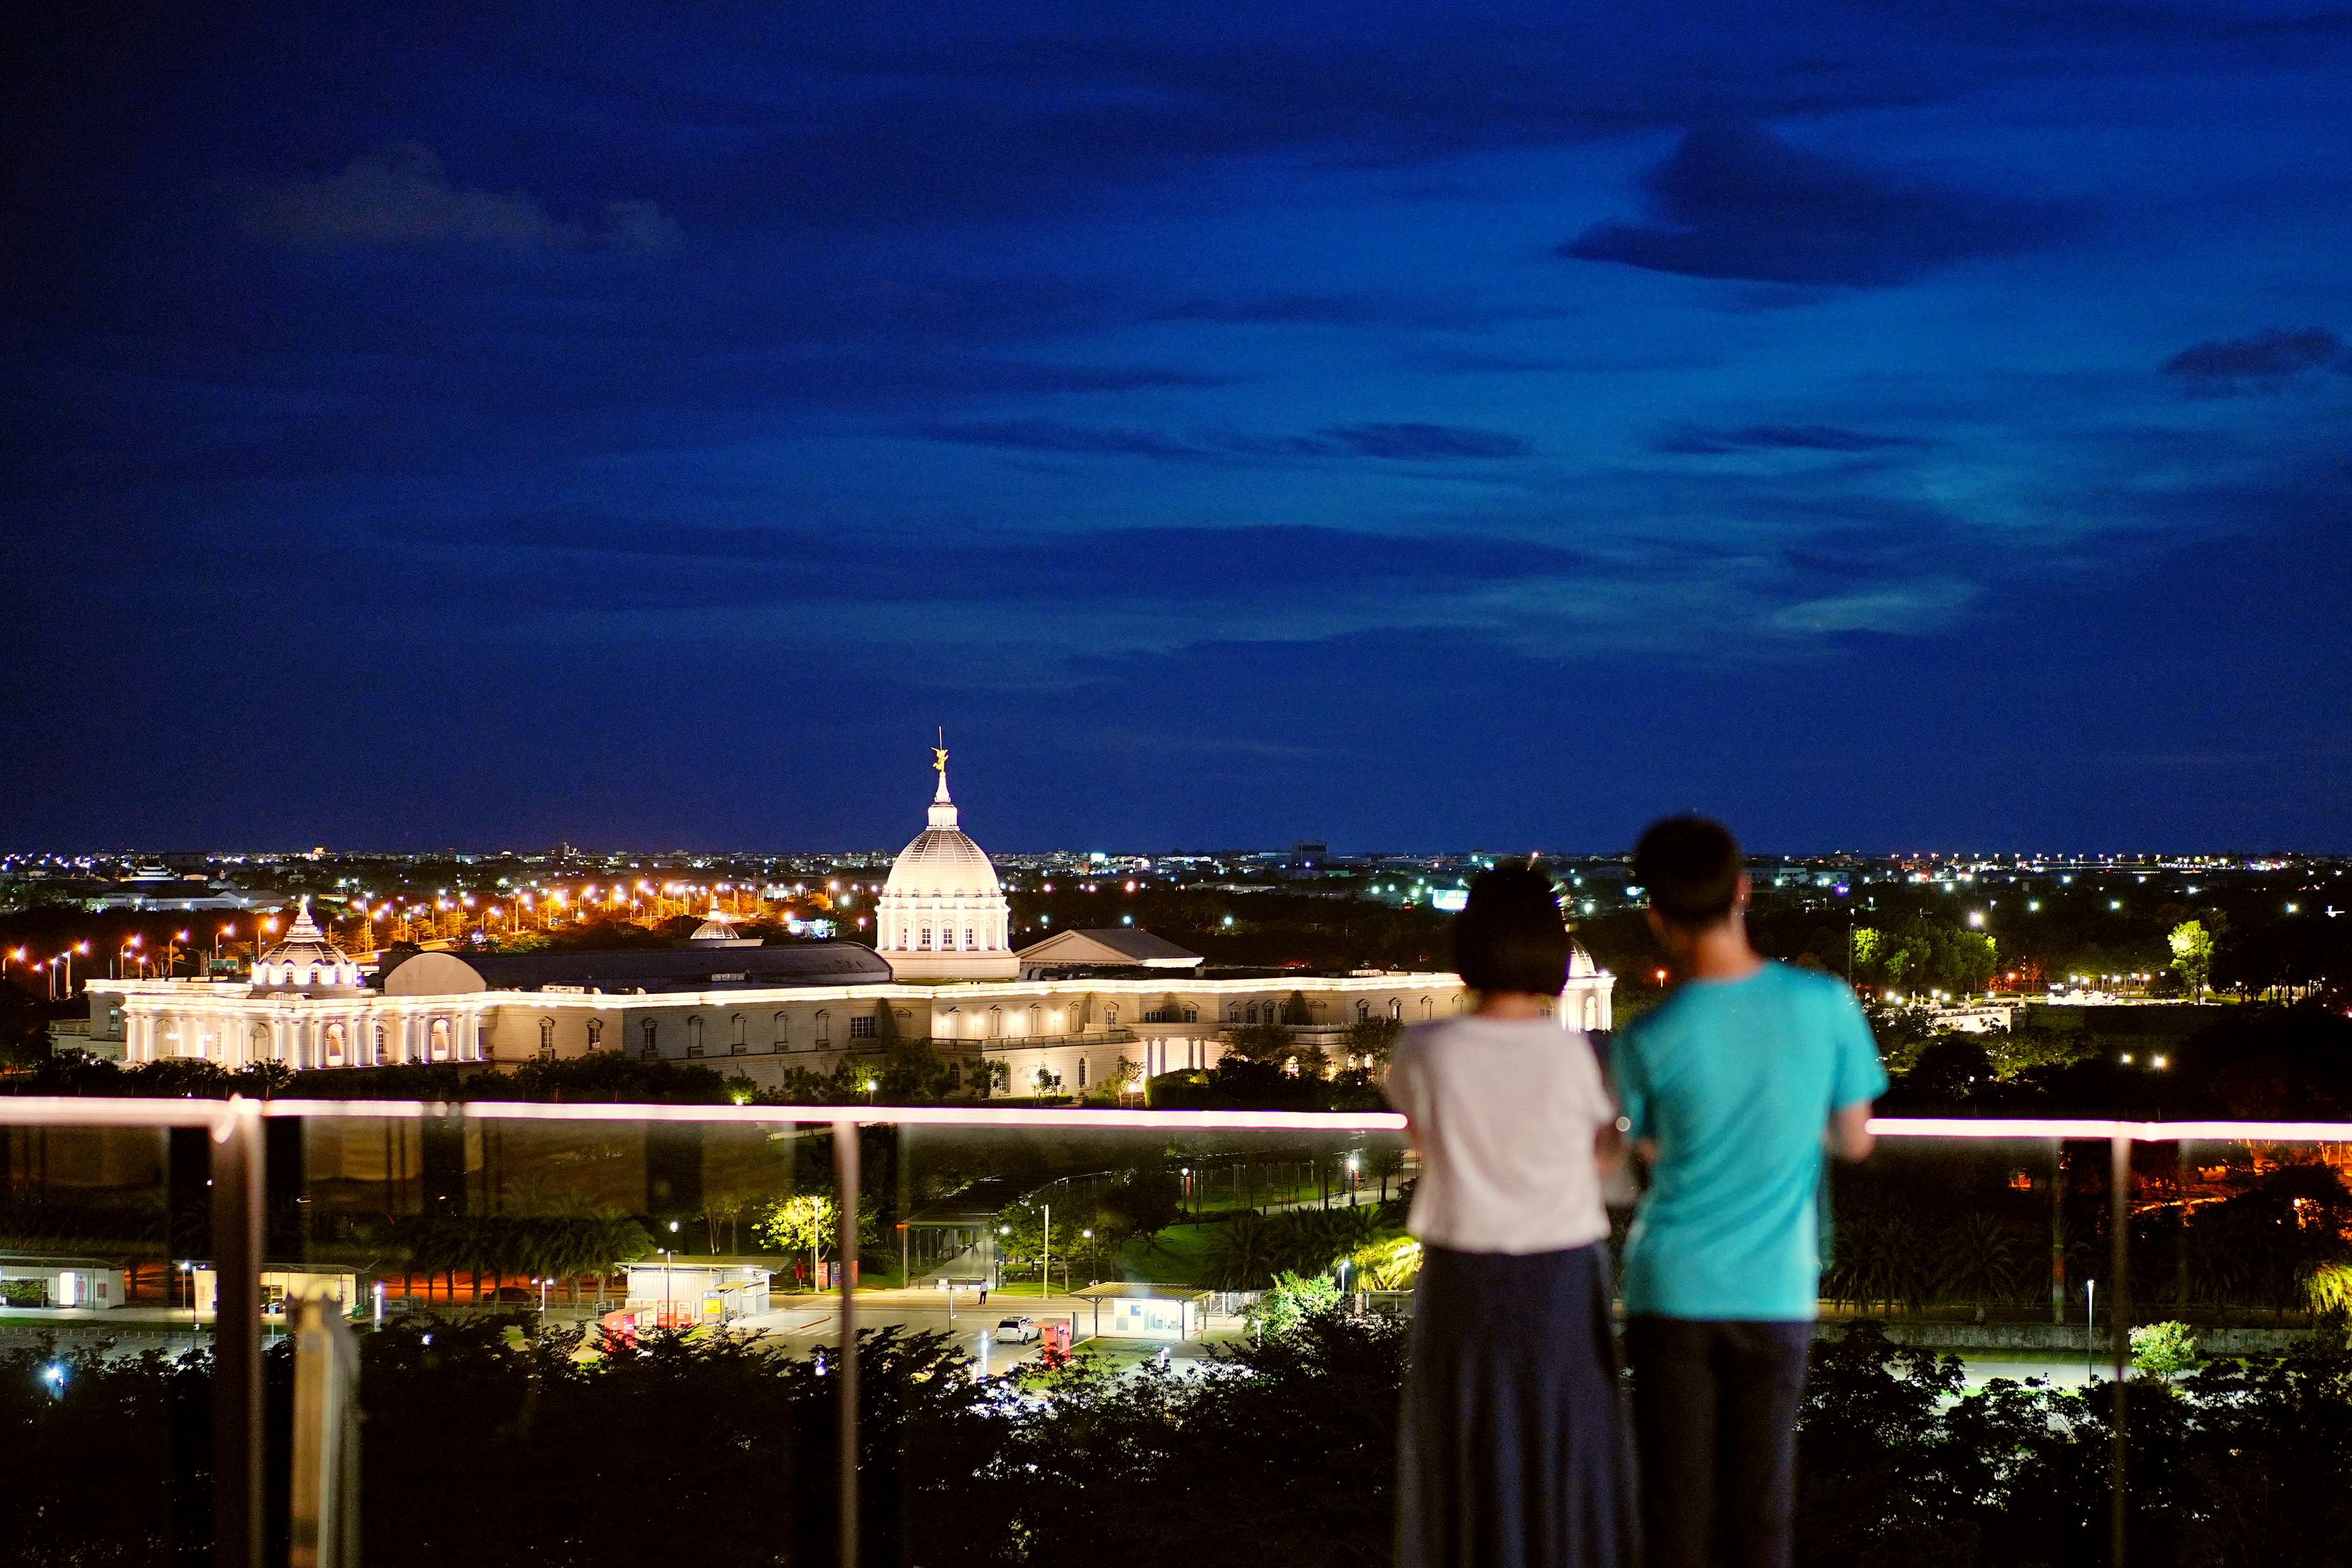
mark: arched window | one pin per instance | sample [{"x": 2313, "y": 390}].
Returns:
[
  {"x": 1396, "y": 1008},
  {"x": 1593, "y": 1012},
  {"x": 694, "y": 1036},
  {"x": 650, "y": 1031},
  {"x": 824, "y": 1027},
  {"x": 1037, "y": 1017},
  {"x": 783, "y": 1031},
  {"x": 955, "y": 1075},
  {"x": 996, "y": 1023},
  {"x": 440, "y": 1037},
  {"x": 595, "y": 1034},
  {"x": 547, "y": 1039},
  {"x": 1364, "y": 1011},
  {"x": 1457, "y": 1001},
  {"x": 334, "y": 1045},
  {"x": 1428, "y": 1008},
  {"x": 735, "y": 1044},
  {"x": 261, "y": 1049}
]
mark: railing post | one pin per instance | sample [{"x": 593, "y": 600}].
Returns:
[
  {"x": 845, "y": 1181},
  {"x": 2119, "y": 1334},
  {"x": 236, "y": 1183}
]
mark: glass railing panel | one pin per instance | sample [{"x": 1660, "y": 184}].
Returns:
[
  {"x": 575, "y": 1328},
  {"x": 1174, "y": 1339},
  {"x": 569, "y": 1320},
  {"x": 107, "y": 1284}
]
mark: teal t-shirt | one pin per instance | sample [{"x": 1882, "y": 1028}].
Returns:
[{"x": 1735, "y": 1079}]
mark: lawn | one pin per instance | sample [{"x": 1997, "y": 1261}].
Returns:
[{"x": 1181, "y": 1255}]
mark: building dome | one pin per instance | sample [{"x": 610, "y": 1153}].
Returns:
[
  {"x": 942, "y": 862},
  {"x": 1579, "y": 962},
  {"x": 942, "y": 914},
  {"x": 306, "y": 961},
  {"x": 718, "y": 931}
]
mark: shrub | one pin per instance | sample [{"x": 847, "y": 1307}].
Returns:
[{"x": 2163, "y": 1350}]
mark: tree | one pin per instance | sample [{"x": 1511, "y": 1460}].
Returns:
[
  {"x": 1949, "y": 1071},
  {"x": 1145, "y": 1201},
  {"x": 1979, "y": 1259},
  {"x": 1264, "y": 1043},
  {"x": 1391, "y": 1265},
  {"x": 1915, "y": 954},
  {"x": 2192, "y": 956},
  {"x": 2162, "y": 1349},
  {"x": 806, "y": 1222},
  {"x": 1242, "y": 1252},
  {"x": 1289, "y": 1303},
  {"x": 1126, "y": 1077},
  {"x": 1384, "y": 1160},
  {"x": 912, "y": 1072},
  {"x": 1371, "y": 1041}
]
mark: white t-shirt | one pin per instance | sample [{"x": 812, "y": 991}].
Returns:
[{"x": 1503, "y": 1111}]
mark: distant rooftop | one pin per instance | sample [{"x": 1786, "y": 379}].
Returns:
[
  {"x": 1123, "y": 945},
  {"x": 705, "y": 966}
]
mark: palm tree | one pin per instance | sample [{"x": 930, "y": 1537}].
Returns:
[
  {"x": 1385, "y": 1159},
  {"x": 1243, "y": 1254},
  {"x": 1978, "y": 1255},
  {"x": 1877, "y": 1260}
]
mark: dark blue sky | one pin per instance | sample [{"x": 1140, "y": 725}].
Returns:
[{"x": 642, "y": 425}]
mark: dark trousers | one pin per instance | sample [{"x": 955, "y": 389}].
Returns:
[{"x": 1715, "y": 1422}]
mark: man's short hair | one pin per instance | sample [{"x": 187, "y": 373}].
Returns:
[
  {"x": 1510, "y": 936},
  {"x": 1690, "y": 868}
]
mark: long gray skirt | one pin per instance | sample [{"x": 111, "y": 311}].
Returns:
[{"x": 1513, "y": 1450}]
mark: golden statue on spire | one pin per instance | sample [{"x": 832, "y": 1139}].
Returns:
[{"x": 939, "y": 752}]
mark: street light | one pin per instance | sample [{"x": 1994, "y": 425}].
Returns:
[{"x": 2090, "y": 1324}]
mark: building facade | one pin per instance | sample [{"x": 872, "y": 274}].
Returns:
[{"x": 944, "y": 973}]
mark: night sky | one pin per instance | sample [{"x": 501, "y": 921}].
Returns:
[{"x": 1887, "y": 426}]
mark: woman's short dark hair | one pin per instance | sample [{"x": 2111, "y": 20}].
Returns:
[
  {"x": 1510, "y": 936},
  {"x": 1690, "y": 866}
]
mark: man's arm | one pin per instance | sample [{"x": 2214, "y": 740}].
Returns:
[{"x": 1849, "y": 1136}]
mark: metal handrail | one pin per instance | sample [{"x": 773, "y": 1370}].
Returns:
[{"x": 234, "y": 1139}]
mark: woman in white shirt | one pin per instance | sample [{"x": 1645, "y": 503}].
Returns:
[{"x": 1513, "y": 1450}]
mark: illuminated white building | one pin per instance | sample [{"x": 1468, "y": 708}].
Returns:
[
  {"x": 944, "y": 914},
  {"x": 1075, "y": 1013}
]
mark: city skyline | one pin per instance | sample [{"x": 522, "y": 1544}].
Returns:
[{"x": 1875, "y": 430}]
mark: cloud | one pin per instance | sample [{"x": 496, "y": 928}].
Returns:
[
  {"x": 1692, "y": 441},
  {"x": 1176, "y": 564},
  {"x": 1906, "y": 610},
  {"x": 1365, "y": 310},
  {"x": 1739, "y": 202},
  {"x": 1406, "y": 441},
  {"x": 1417, "y": 442},
  {"x": 1054, "y": 435},
  {"x": 403, "y": 199},
  {"x": 2264, "y": 362}
]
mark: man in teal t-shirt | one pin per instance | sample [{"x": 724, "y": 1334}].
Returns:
[{"x": 1735, "y": 1090}]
